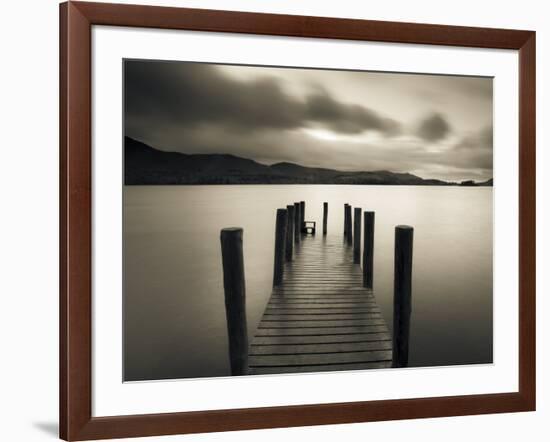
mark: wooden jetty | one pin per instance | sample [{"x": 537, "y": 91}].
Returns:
[
  {"x": 322, "y": 314},
  {"x": 320, "y": 318}
]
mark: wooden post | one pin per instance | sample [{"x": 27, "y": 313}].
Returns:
[
  {"x": 302, "y": 214},
  {"x": 349, "y": 232},
  {"x": 235, "y": 298},
  {"x": 289, "y": 232},
  {"x": 325, "y": 218},
  {"x": 346, "y": 221},
  {"x": 280, "y": 239},
  {"x": 357, "y": 235},
  {"x": 297, "y": 218},
  {"x": 402, "y": 295},
  {"x": 368, "y": 249}
]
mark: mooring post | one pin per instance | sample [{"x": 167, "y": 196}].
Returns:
[
  {"x": 368, "y": 249},
  {"x": 297, "y": 218},
  {"x": 349, "y": 232},
  {"x": 402, "y": 284},
  {"x": 289, "y": 232},
  {"x": 346, "y": 221},
  {"x": 235, "y": 298},
  {"x": 357, "y": 235},
  {"x": 280, "y": 239},
  {"x": 302, "y": 214},
  {"x": 325, "y": 218}
]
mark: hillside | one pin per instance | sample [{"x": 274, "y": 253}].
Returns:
[{"x": 146, "y": 165}]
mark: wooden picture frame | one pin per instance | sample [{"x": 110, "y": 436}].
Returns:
[{"x": 76, "y": 21}]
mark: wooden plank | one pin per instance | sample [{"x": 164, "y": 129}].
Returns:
[
  {"x": 318, "y": 368},
  {"x": 321, "y": 288},
  {"x": 320, "y": 293},
  {"x": 320, "y": 312},
  {"x": 341, "y": 323},
  {"x": 325, "y": 339},
  {"x": 311, "y": 293},
  {"x": 321, "y": 331},
  {"x": 319, "y": 348},
  {"x": 308, "y": 304},
  {"x": 310, "y": 297},
  {"x": 311, "y": 280},
  {"x": 320, "y": 318},
  {"x": 320, "y": 359},
  {"x": 330, "y": 296},
  {"x": 327, "y": 307},
  {"x": 307, "y": 318},
  {"x": 342, "y": 285}
]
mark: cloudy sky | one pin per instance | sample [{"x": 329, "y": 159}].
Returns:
[{"x": 428, "y": 125}]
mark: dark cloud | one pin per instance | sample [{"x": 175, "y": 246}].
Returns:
[
  {"x": 191, "y": 94},
  {"x": 258, "y": 113},
  {"x": 347, "y": 118},
  {"x": 433, "y": 128}
]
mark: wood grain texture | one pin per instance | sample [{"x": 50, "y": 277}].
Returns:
[
  {"x": 289, "y": 247},
  {"x": 303, "y": 307},
  {"x": 234, "y": 287},
  {"x": 368, "y": 249},
  {"x": 297, "y": 218},
  {"x": 300, "y": 26},
  {"x": 527, "y": 221},
  {"x": 76, "y": 421},
  {"x": 75, "y": 222},
  {"x": 281, "y": 224},
  {"x": 402, "y": 291}
]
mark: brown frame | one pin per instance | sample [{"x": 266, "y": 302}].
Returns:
[{"x": 76, "y": 20}]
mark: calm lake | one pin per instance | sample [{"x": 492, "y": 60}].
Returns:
[{"x": 174, "y": 303}]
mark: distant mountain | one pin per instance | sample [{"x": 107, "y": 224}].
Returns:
[
  {"x": 146, "y": 165},
  {"x": 470, "y": 183},
  {"x": 486, "y": 183}
]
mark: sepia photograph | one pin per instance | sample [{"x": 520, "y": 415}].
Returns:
[{"x": 282, "y": 220}]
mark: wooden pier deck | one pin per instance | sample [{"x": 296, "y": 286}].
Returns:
[{"x": 320, "y": 318}]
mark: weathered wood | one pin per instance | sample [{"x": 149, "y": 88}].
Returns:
[
  {"x": 319, "y": 285},
  {"x": 349, "y": 347},
  {"x": 325, "y": 288},
  {"x": 235, "y": 298},
  {"x": 302, "y": 214},
  {"x": 280, "y": 240},
  {"x": 320, "y": 317},
  {"x": 368, "y": 250},
  {"x": 313, "y": 312},
  {"x": 302, "y": 325},
  {"x": 289, "y": 233},
  {"x": 364, "y": 298},
  {"x": 297, "y": 218},
  {"x": 357, "y": 235},
  {"x": 325, "y": 218},
  {"x": 329, "y": 298},
  {"x": 311, "y": 340},
  {"x": 306, "y": 304},
  {"x": 321, "y": 331},
  {"x": 346, "y": 221},
  {"x": 316, "y": 368},
  {"x": 402, "y": 294},
  {"x": 349, "y": 230},
  {"x": 340, "y": 317},
  {"x": 331, "y": 358}
]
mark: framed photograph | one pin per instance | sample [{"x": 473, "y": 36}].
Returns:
[{"x": 274, "y": 220}]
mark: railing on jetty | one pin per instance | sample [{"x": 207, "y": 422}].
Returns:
[{"x": 322, "y": 314}]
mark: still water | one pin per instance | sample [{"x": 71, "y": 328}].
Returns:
[{"x": 174, "y": 304}]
